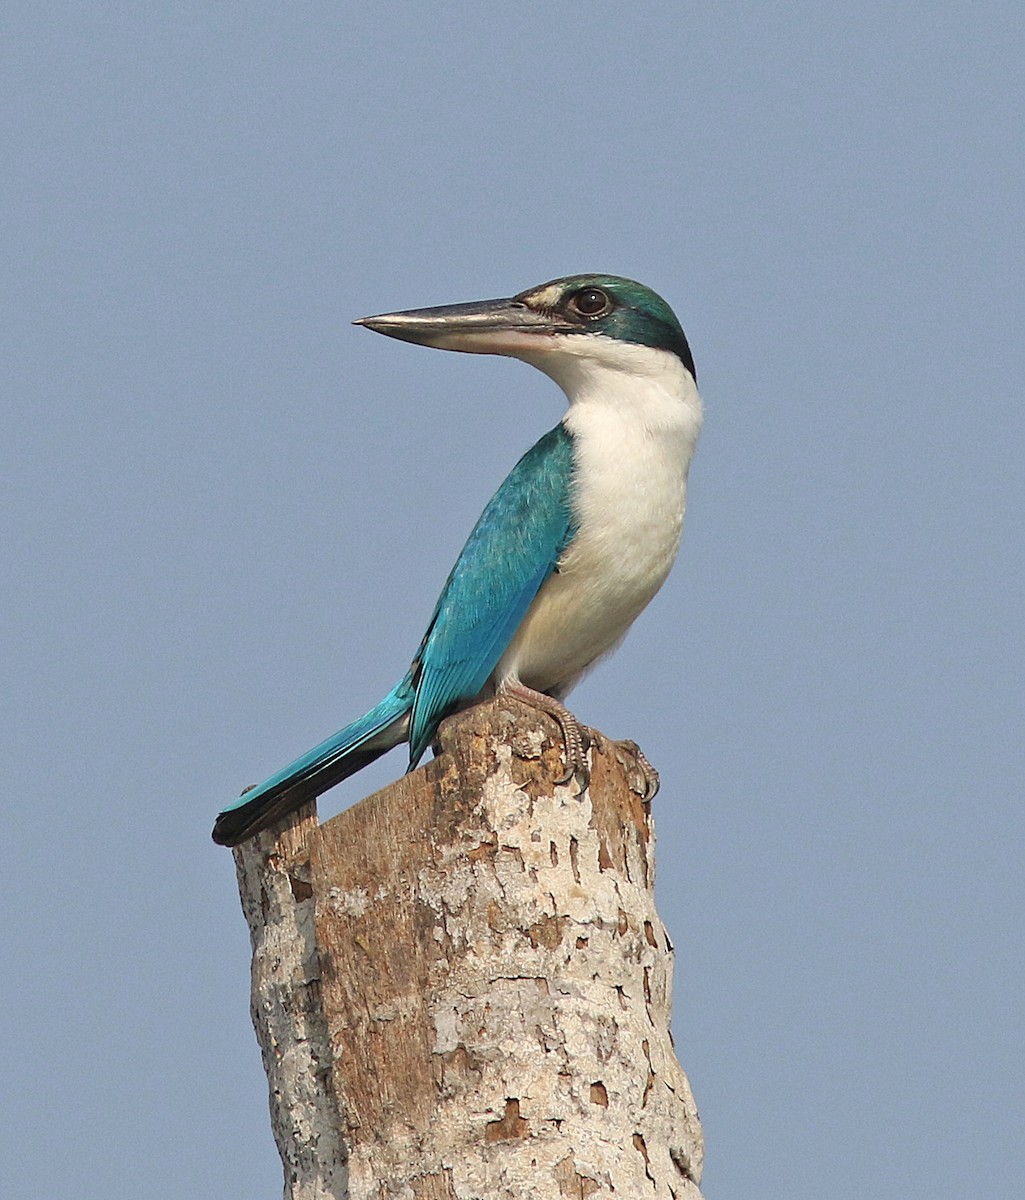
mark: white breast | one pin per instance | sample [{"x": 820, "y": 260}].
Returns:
[{"x": 634, "y": 416}]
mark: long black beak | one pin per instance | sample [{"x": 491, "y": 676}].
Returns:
[{"x": 481, "y": 327}]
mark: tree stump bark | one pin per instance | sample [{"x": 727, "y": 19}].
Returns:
[{"x": 461, "y": 986}]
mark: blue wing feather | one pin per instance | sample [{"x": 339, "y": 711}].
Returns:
[{"x": 512, "y": 550}]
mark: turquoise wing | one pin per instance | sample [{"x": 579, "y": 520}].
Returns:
[{"x": 512, "y": 550}]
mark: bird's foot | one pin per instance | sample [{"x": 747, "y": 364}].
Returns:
[
  {"x": 575, "y": 737},
  {"x": 641, "y": 776}
]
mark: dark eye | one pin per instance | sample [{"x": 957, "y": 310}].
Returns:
[{"x": 591, "y": 302}]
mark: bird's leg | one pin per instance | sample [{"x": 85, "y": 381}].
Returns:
[
  {"x": 575, "y": 737},
  {"x": 641, "y": 775}
]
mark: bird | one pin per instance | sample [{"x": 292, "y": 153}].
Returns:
[{"x": 566, "y": 554}]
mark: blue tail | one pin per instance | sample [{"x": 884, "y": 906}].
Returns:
[{"x": 342, "y": 755}]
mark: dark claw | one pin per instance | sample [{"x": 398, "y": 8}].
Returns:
[
  {"x": 568, "y": 774},
  {"x": 583, "y": 773},
  {"x": 634, "y": 761}
]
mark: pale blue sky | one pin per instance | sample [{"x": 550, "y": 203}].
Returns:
[{"x": 228, "y": 513}]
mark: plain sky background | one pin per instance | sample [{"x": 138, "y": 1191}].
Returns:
[{"x": 227, "y": 514}]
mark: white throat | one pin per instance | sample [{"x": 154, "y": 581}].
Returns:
[
  {"x": 634, "y": 415},
  {"x": 650, "y": 388}
]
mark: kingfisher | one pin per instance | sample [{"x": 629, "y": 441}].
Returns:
[{"x": 568, "y": 551}]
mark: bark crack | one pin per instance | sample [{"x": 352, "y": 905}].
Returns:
[{"x": 468, "y": 985}]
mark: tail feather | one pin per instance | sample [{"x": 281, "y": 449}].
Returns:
[{"x": 342, "y": 755}]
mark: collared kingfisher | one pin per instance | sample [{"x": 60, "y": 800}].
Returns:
[{"x": 569, "y": 550}]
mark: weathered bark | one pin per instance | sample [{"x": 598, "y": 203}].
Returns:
[
  {"x": 461, "y": 985},
  {"x": 274, "y": 883}
]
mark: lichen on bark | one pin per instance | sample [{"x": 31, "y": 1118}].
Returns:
[{"x": 492, "y": 978}]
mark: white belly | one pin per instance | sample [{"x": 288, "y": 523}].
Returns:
[{"x": 628, "y": 498}]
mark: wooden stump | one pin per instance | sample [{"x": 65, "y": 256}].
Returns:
[{"x": 461, "y": 986}]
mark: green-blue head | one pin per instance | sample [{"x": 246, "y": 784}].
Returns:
[{"x": 600, "y": 306}]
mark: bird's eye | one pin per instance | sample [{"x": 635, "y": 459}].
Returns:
[{"x": 591, "y": 302}]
